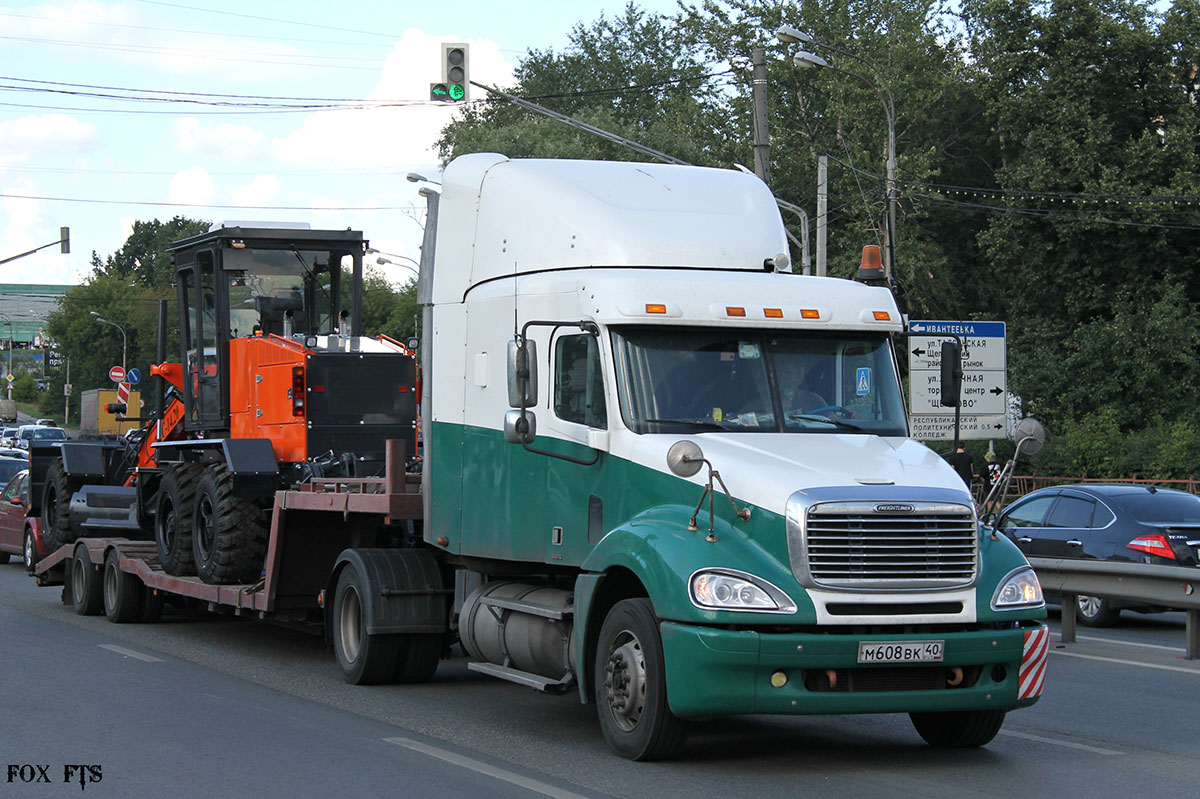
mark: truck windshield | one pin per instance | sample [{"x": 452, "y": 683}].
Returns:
[{"x": 680, "y": 380}]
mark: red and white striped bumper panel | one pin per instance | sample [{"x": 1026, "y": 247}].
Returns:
[{"x": 1033, "y": 663}]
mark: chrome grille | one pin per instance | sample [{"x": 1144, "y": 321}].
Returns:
[{"x": 856, "y": 545}]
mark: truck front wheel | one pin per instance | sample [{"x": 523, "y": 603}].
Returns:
[
  {"x": 631, "y": 685},
  {"x": 365, "y": 659},
  {"x": 958, "y": 729}
]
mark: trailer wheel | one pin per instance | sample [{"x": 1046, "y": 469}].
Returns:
[
  {"x": 150, "y": 608},
  {"x": 4, "y": 556},
  {"x": 958, "y": 729},
  {"x": 229, "y": 538},
  {"x": 122, "y": 591},
  {"x": 56, "y": 507},
  {"x": 419, "y": 656},
  {"x": 86, "y": 588},
  {"x": 173, "y": 519},
  {"x": 631, "y": 685},
  {"x": 365, "y": 659}
]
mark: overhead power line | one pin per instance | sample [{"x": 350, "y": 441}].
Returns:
[
  {"x": 93, "y": 201},
  {"x": 316, "y": 25}
]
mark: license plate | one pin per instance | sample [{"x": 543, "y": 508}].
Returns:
[{"x": 901, "y": 651}]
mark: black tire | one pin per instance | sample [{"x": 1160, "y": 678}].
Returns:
[
  {"x": 122, "y": 591},
  {"x": 229, "y": 533},
  {"x": 418, "y": 657},
  {"x": 631, "y": 685},
  {"x": 4, "y": 556},
  {"x": 173, "y": 519},
  {"x": 86, "y": 585},
  {"x": 1092, "y": 611},
  {"x": 958, "y": 729},
  {"x": 29, "y": 553},
  {"x": 365, "y": 659},
  {"x": 150, "y": 608},
  {"x": 56, "y": 507}
]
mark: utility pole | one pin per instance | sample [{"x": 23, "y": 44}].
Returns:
[
  {"x": 762, "y": 143},
  {"x": 67, "y": 397},
  {"x": 822, "y": 212}
]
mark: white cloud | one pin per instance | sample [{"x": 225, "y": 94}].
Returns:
[
  {"x": 230, "y": 142},
  {"x": 392, "y": 136},
  {"x": 193, "y": 186},
  {"x": 119, "y": 30},
  {"x": 48, "y": 134},
  {"x": 260, "y": 191}
]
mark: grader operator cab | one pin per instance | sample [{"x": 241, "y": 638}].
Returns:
[{"x": 275, "y": 385}]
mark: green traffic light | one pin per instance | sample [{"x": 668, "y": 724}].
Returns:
[{"x": 457, "y": 92}]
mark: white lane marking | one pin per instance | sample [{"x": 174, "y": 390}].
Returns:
[
  {"x": 1130, "y": 643},
  {"x": 483, "y": 768},
  {"x": 1054, "y": 741},
  {"x": 120, "y": 650},
  {"x": 1183, "y": 669}
]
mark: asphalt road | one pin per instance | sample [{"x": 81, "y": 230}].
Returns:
[{"x": 204, "y": 706}]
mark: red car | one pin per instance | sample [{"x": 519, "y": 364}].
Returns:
[{"x": 19, "y": 534}]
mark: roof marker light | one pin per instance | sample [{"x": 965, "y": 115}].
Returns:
[
  {"x": 655, "y": 307},
  {"x": 773, "y": 313},
  {"x": 810, "y": 313},
  {"x": 882, "y": 316},
  {"x": 733, "y": 310}
]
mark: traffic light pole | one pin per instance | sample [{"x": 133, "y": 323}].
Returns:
[{"x": 64, "y": 240}]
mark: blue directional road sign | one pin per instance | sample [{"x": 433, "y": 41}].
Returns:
[{"x": 133, "y": 377}]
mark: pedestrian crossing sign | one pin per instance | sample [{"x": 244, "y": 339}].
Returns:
[{"x": 863, "y": 382}]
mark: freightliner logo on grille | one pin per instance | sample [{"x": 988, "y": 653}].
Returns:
[{"x": 894, "y": 507}]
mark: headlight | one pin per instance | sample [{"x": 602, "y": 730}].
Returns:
[
  {"x": 725, "y": 589},
  {"x": 1020, "y": 589}
]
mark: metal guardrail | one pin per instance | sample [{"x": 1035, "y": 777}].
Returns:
[{"x": 1169, "y": 586}]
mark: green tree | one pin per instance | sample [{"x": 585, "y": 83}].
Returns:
[
  {"x": 143, "y": 257},
  {"x": 1090, "y": 252}
]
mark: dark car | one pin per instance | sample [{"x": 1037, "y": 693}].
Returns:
[
  {"x": 1140, "y": 524},
  {"x": 19, "y": 534}
]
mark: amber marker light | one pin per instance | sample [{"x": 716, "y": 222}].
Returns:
[
  {"x": 734, "y": 311},
  {"x": 882, "y": 316},
  {"x": 654, "y": 307},
  {"x": 773, "y": 313},
  {"x": 810, "y": 313}
]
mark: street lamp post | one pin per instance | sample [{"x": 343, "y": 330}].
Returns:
[
  {"x": 8, "y": 322},
  {"x": 124, "y": 338},
  {"x": 789, "y": 34}
]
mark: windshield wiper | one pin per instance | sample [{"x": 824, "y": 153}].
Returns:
[
  {"x": 701, "y": 426},
  {"x": 812, "y": 417}
]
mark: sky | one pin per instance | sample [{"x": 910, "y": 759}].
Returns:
[{"x": 88, "y": 140}]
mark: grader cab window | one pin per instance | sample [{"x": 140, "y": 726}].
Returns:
[{"x": 274, "y": 291}]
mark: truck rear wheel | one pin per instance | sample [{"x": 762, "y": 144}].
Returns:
[
  {"x": 229, "y": 538},
  {"x": 122, "y": 592},
  {"x": 958, "y": 729},
  {"x": 173, "y": 519},
  {"x": 631, "y": 685},
  {"x": 365, "y": 659},
  {"x": 56, "y": 507},
  {"x": 85, "y": 584}
]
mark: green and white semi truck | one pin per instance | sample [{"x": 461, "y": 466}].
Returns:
[
  {"x": 659, "y": 470},
  {"x": 681, "y": 475}
]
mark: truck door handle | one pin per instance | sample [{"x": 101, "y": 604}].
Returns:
[
  {"x": 1074, "y": 542},
  {"x": 1024, "y": 540}
]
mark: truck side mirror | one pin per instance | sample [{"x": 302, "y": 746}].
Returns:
[
  {"x": 522, "y": 373},
  {"x": 951, "y": 374},
  {"x": 520, "y": 427}
]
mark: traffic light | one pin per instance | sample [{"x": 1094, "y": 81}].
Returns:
[{"x": 455, "y": 83}]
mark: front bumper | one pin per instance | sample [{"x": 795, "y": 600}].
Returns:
[{"x": 713, "y": 672}]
